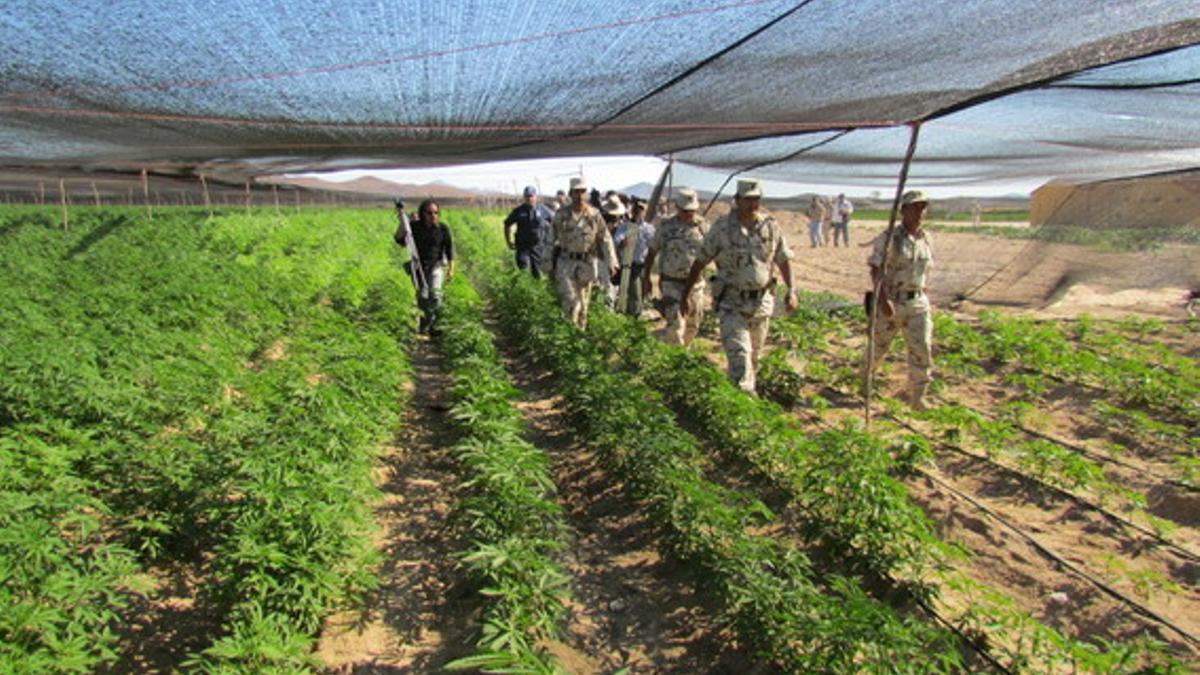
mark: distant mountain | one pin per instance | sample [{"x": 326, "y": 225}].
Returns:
[
  {"x": 372, "y": 185},
  {"x": 644, "y": 190}
]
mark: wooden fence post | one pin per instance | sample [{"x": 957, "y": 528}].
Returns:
[
  {"x": 207, "y": 199},
  {"x": 146, "y": 195},
  {"x": 62, "y": 198}
]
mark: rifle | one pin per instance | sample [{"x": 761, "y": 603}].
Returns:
[
  {"x": 631, "y": 240},
  {"x": 404, "y": 230}
]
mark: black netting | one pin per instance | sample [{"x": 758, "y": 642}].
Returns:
[{"x": 321, "y": 85}]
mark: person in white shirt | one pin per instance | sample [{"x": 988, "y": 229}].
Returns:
[{"x": 842, "y": 208}]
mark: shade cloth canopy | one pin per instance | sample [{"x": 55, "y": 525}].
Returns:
[{"x": 812, "y": 91}]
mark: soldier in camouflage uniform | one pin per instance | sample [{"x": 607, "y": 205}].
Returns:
[
  {"x": 746, "y": 245},
  {"x": 678, "y": 239},
  {"x": 902, "y": 286},
  {"x": 580, "y": 244}
]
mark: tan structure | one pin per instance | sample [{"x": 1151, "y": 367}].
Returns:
[
  {"x": 747, "y": 246},
  {"x": 1168, "y": 200},
  {"x": 903, "y": 283},
  {"x": 580, "y": 248}
]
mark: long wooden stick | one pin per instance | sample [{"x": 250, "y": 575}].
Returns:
[{"x": 873, "y": 317}]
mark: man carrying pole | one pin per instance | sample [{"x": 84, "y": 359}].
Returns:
[{"x": 431, "y": 258}]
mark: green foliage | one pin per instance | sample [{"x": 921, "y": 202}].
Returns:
[
  {"x": 515, "y": 526},
  {"x": 201, "y": 385},
  {"x": 876, "y": 529},
  {"x": 774, "y": 601}
]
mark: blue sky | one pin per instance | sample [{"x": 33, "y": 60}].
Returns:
[{"x": 618, "y": 172}]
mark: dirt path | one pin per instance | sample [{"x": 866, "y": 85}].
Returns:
[
  {"x": 423, "y": 615},
  {"x": 631, "y": 607}
]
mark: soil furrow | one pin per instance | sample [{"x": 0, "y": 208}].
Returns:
[
  {"x": 424, "y": 613},
  {"x": 631, "y": 607}
]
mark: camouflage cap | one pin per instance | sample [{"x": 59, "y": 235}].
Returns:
[
  {"x": 579, "y": 183},
  {"x": 686, "y": 200},
  {"x": 913, "y": 197},
  {"x": 750, "y": 187}
]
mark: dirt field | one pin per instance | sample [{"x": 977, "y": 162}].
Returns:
[{"x": 1048, "y": 279}]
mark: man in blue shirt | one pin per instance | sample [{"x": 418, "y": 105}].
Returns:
[{"x": 532, "y": 220}]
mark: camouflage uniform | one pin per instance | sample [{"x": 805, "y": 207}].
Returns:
[
  {"x": 578, "y": 241},
  {"x": 744, "y": 292},
  {"x": 678, "y": 245},
  {"x": 909, "y": 261}
]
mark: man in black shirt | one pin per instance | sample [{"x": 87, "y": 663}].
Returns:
[
  {"x": 434, "y": 251},
  {"x": 532, "y": 220}
]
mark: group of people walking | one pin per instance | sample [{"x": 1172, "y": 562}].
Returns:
[{"x": 610, "y": 243}]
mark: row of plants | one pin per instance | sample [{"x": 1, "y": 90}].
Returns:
[
  {"x": 806, "y": 336},
  {"x": 515, "y": 525},
  {"x": 199, "y": 390},
  {"x": 1004, "y": 438},
  {"x": 845, "y": 482},
  {"x": 1047, "y": 349},
  {"x": 985, "y": 611},
  {"x": 777, "y": 602},
  {"x": 856, "y": 483}
]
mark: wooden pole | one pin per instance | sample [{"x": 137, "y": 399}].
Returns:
[
  {"x": 146, "y": 195},
  {"x": 96, "y": 193},
  {"x": 207, "y": 198},
  {"x": 247, "y": 197},
  {"x": 873, "y": 317},
  {"x": 62, "y": 198},
  {"x": 41, "y": 193}
]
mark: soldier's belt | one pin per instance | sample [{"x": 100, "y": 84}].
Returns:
[
  {"x": 575, "y": 256},
  {"x": 908, "y": 295},
  {"x": 682, "y": 280},
  {"x": 755, "y": 294}
]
